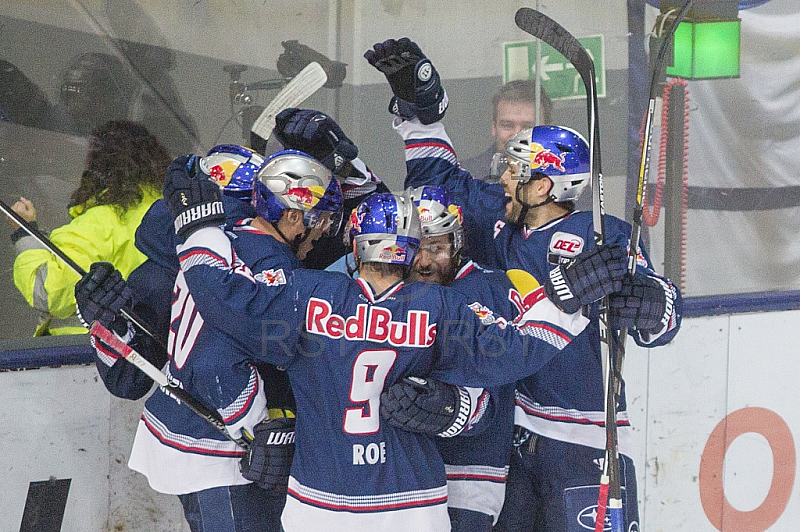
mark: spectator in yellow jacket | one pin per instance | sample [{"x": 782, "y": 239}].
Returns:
[{"x": 124, "y": 172}]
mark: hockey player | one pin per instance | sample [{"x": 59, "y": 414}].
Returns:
[
  {"x": 354, "y": 337},
  {"x": 476, "y": 464},
  {"x": 528, "y": 222},
  {"x": 181, "y": 453}
]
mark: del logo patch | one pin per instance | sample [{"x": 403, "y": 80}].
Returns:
[{"x": 564, "y": 246}]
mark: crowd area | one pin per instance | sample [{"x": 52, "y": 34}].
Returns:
[{"x": 357, "y": 358}]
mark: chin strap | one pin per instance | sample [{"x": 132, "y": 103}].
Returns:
[
  {"x": 520, "y": 221},
  {"x": 294, "y": 243}
]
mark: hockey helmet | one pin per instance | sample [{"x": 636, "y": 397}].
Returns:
[
  {"x": 386, "y": 229},
  {"x": 291, "y": 179},
  {"x": 558, "y": 153},
  {"x": 438, "y": 213},
  {"x": 233, "y": 168}
]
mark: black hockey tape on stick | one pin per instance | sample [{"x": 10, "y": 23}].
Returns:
[
  {"x": 543, "y": 27},
  {"x": 44, "y": 241},
  {"x": 162, "y": 380}
]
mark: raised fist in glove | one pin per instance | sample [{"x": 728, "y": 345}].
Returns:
[
  {"x": 643, "y": 302},
  {"x": 100, "y": 294},
  {"x": 192, "y": 197},
  {"x": 426, "y": 406},
  {"x": 316, "y": 134},
  {"x": 588, "y": 277},
  {"x": 269, "y": 459},
  {"x": 415, "y": 83}
]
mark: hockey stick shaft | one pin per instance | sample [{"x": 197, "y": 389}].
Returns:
[
  {"x": 74, "y": 266},
  {"x": 303, "y": 85},
  {"x": 644, "y": 170},
  {"x": 132, "y": 356},
  {"x": 543, "y": 27}
]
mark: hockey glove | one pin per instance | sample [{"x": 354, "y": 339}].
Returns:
[
  {"x": 100, "y": 294},
  {"x": 588, "y": 277},
  {"x": 642, "y": 303},
  {"x": 426, "y": 406},
  {"x": 269, "y": 459},
  {"x": 192, "y": 196},
  {"x": 415, "y": 83},
  {"x": 316, "y": 134}
]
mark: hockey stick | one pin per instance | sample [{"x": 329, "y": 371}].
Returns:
[
  {"x": 543, "y": 27},
  {"x": 304, "y": 84},
  {"x": 44, "y": 241},
  {"x": 169, "y": 387}
]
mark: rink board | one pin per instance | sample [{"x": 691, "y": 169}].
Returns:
[{"x": 714, "y": 413}]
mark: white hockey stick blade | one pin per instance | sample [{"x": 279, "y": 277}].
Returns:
[{"x": 303, "y": 85}]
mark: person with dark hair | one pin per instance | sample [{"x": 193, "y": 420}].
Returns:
[
  {"x": 513, "y": 109},
  {"x": 124, "y": 171}
]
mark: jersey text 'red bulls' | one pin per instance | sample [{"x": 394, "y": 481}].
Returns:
[{"x": 373, "y": 324}]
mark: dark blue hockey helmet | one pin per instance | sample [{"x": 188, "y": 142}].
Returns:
[
  {"x": 386, "y": 229},
  {"x": 559, "y": 153}
]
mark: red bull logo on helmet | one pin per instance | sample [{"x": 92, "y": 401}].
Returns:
[
  {"x": 355, "y": 220},
  {"x": 542, "y": 158},
  {"x": 219, "y": 176},
  {"x": 425, "y": 214},
  {"x": 303, "y": 196},
  {"x": 393, "y": 253}
]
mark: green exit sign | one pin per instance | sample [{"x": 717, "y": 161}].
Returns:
[{"x": 559, "y": 78}]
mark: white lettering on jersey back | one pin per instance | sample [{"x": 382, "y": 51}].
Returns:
[
  {"x": 189, "y": 322},
  {"x": 369, "y": 454},
  {"x": 373, "y": 324}
]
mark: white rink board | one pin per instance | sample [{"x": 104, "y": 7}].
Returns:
[
  {"x": 735, "y": 373},
  {"x": 54, "y": 423},
  {"x": 740, "y": 368}
]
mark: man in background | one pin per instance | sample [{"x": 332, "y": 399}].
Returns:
[{"x": 513, "y": 109}]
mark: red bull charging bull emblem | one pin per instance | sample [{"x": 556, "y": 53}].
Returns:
[
  {"x": 393, "y": 253},
  {"x": 542, "y": 158},
  {"x": 300, "y": 195}
]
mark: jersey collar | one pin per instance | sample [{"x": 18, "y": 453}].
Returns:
[{"x": 367, "y": 289}]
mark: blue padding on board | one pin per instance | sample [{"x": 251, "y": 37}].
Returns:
[
  {"x": 741, "y": 303},
  {"x": 44, "y": 357}
]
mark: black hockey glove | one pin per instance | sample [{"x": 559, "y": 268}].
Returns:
[
  {"x": 316, "y": 134},
  {"x": 588, "y": 277},
  {"x": 100, "y": 294},
  {"x": 269, "y": 459},
  {"x": 415, "y": 83},
  {"x": 192, "y": 197},
  {"x": 642, "y": 303},
  {"x": 426, "y": 406}
]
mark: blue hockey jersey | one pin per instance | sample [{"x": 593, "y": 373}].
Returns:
[
  {"x": 565, "y": 399},
  {"x": 477, "y": 465},
  {"x": 341, "y": 345}
]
